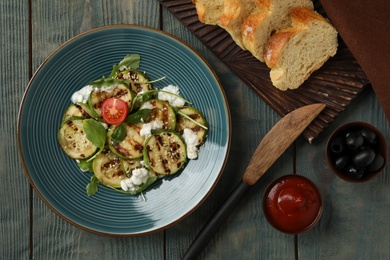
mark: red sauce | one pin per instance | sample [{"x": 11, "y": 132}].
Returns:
[{"x": 292, "y": 204}]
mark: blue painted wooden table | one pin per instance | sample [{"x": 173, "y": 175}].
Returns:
[{"x": 356, "y": 219}]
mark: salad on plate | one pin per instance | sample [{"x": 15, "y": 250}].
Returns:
[{"x": 128, "y": 133}]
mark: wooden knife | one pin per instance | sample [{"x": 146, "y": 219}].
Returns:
[{"x": 272, "y": 146}]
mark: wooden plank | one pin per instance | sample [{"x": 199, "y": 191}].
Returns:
[
  {"x": 355, "y": 222},
  {"x": 14, "y": 76},
  {"x": 251, "y": 119},
  {"x": 55, "y": 22}
]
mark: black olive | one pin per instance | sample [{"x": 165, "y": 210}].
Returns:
[
  {"x": 341, "y": 162},
  {"x": 354, "y": 140},
  {"x": 354, "y": 172},
  {"x": 369, "y": 135},
  {"x": 364, "y": 157},
  {"x": 337, "y": 145},
  {"x": 376, "y": 164}
]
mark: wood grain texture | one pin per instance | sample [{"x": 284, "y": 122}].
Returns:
[
  {"x": 14, "y": 187},
  {"x": 55, "y": 22},
  {"x": 336, "y": 83},
  {"x": 355, "y": 222},
  {"x": 278, "y": 139},
  {"x": 356, "y": 219},
  {"x": 246, "y": 227}
]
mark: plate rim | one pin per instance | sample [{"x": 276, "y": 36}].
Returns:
[{"x": 110, "y": 27}]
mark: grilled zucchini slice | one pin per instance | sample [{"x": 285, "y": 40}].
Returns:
[
  {"x": 165, "y": 152},
  {"x": 74, "y": 141},
  {"x": 131, "y": 146},
  {"x": 196, "y": 115},
  {"x": 161, "y": 111},
  {"x": 77, "y": 110},
  {"x": 138, "y": 80},
  {"x": 108, "y": 169}
]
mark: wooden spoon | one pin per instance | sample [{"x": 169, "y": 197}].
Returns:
[{"x": 273, "y": 145}]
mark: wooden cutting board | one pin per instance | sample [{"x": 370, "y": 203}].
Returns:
[{"x": 336, "y": 84}]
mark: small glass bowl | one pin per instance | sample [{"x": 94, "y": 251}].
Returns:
[{"x": 342, "y": 159}]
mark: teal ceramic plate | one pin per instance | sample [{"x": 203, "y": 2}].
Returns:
[{"x": 57, "y": 179}]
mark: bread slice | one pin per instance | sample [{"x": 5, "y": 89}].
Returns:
[
  {"x": 294, "y": 53},
  {"x": 270, "y": 16},
  {"x": 234, "y": 14},
  {"x": 209, "y": 11}
]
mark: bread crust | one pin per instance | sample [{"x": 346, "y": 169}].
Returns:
[
  {"x": 292, "y": 63},
  {"x": 288, "y": 35},
  {"x": 301, "y": 16},
  {"x": 275, "y": 45}
]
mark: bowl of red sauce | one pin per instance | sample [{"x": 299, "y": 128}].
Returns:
[{"x": 292, "y": 204}]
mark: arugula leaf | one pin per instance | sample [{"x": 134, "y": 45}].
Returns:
[
  {"x": 139, "y": 116},
  {"x": 142, "y": 98},
  {"x": 92, "y": 187},
  {"x": 96, "y": 134},
  {"x": 143, "y": 186},
  {"x": 119, "y": 134},
  {"x": 129, "y": 61},
  {"x": 189, "y": 118},
  {"x": 85, "y": 165},
  {"x": 106, "y": 82}
]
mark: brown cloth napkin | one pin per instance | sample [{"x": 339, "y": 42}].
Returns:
[{"x": 364, "y": 26}]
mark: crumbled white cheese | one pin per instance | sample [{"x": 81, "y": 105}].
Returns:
[
  {"x": 138, "y": 177},
  {"x": 147, "y": 105},
  {"x": 82, "y": 95},
  {"x": 108, "y": 89},
  {"x": 173, "y": 100},
  {"x": 148, "y": 127},
  {"x": 192, "y": 142}
]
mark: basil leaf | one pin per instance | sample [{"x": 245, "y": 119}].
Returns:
[
  {"x": 139, "y": 116},
  {"x": 96, "y": 134},
  {"x": 92, "y": 187},
  {"x": 119, "y": 134},
  {"x": 95, "y": 131},
  {"x": 85, "y": 165}
]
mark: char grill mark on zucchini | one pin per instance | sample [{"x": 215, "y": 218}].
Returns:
[
  {"x": 195, "y": 115},
  {"x": 165, "y": 152},
  {"x": 132, "y": 145},
  {"x": 163, "y": 111},
  {"x": 135, "y": 77},
  {"x": 74, "y": 141},
  {"x": 76, "y": 110},
  {"x": 108, "y": 169}
]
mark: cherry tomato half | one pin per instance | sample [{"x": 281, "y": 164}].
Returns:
[{"x": 114, "y": 111}]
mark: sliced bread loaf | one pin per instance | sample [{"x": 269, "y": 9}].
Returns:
[
  {"x": 234, "y": 14},
  {"x": 270, "y": 16},
  {"x": 209, "y": 11},
  {"x": 294, "y": 53}
]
